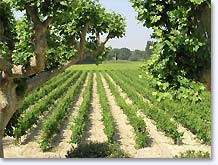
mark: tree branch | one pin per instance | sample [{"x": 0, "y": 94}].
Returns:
[
  {"x": 20, "y": 71},
  {"x": 5, "y": 66},
  {"x": 98, "y": 37},
  {"x": 83, "y": 40},
  {"x": 42, "y": 77},
  {"x": 37, "y": 62},
  {"x": 48, "y": 21},
  {"x": 106, "y": 39},
  {"x": 32, "y": 12}
]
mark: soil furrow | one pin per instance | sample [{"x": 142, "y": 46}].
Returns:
[
  {"x": 95, "y": 125},
  {"x": 62, "y": 144},
  {"x": 124, "y": 131},
  {"x": 163, "y": 146},
  {"x": 32, "y": 149}
]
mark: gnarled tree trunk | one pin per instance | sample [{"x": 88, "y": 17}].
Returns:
[
  {"x": 8, "y": 103},
  {"x": 9, "y": 96}
]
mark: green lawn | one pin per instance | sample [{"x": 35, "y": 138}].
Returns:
[{"x": 109, "y": 65}]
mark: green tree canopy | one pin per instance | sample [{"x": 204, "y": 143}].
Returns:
[{"x": 182, "y": 40}]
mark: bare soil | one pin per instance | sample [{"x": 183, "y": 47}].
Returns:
[
  {"x": 31, "y": 149},
  {"x": 95, "y": 125},
  {"x": 162, "y": 146}
]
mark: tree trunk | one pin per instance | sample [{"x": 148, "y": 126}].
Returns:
[
  {"x": 204, "y": 30},
  {"x": 1, "y": 147},
  {"x": 9, "y": 99},
  {"x": 8, "y": 103},
  {"x": 83, "y": 41},
  {"x": 101, "y": 45}
]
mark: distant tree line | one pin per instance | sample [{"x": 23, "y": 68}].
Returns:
[{"x": 127, "y": 54}]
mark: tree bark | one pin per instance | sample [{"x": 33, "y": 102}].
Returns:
[
  {"x": 98, "y": 37},
  {"x": 41, "y": 78},
  {"x": 9, "y": 100},
  {"x": 1, "y": 147},
  {"x": 204, "y": 30},
  {"x": 101, "y": 45},
  {"x": 83, "y": 41}
]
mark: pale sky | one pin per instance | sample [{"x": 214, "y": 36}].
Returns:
[{"x": 136, "y": 35}]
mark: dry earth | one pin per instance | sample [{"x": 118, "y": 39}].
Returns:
[
  {"x": 160, "y": 147},
  {"x": 31, "y": 148}
]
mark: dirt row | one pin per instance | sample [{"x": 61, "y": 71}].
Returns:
[
  {"x": 31, "y": 149},
  {"x": 161, "y": 146},
  {"x": 95, "y": 125}
]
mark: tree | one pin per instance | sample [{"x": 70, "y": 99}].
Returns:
[
  {"x": 137, "y": 55},
  {"x": 40, "y": 15},
  {"x": 44, "y": 39},
  {"x": 181, "y": 51},
  {"x": 113, "y": 26},
  {"x": 85, "y": 15},
  {"x": 124, "y": 54},
  {"x": 91, "y": 19},
  {"x": 112, "y": 55}
]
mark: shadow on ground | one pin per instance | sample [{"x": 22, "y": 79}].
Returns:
[{"x": 97, "y": 150}]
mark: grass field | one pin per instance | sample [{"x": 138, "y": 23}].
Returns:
[
  {"x": 107, "y": 111},
  {"x": 109, "y": 65}
]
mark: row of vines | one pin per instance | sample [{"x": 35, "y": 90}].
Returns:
[{"x": 56, "y": 97}]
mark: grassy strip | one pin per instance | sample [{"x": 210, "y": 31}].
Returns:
[
  {"x": 137, "y": 122},
  {"x": 60, "y": 113},
  {"x": 35, "y": 96},
  {"x": 79, "y": 125},
  {"x": 109, "y": 126},
  {"x": 193, "y": 154},
  {"x": 162, "y": 120},
  {"x": 32, "y": 117},
  {"x": 190, "y": 115}
]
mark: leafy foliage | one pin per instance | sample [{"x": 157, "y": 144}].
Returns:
[
  {"x": 182, "y": 48},
  {"x": 46, "y": 7},
  {"x": 97, "y": 150},
  {"x": 69, "y": 19},
  {"x": 193, "y": 154},
  {"x": 7, "y": 31},
  {"x": 24, "y": 46}
]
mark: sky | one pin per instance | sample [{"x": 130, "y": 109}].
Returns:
[{"x": 136, "y": 35}]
